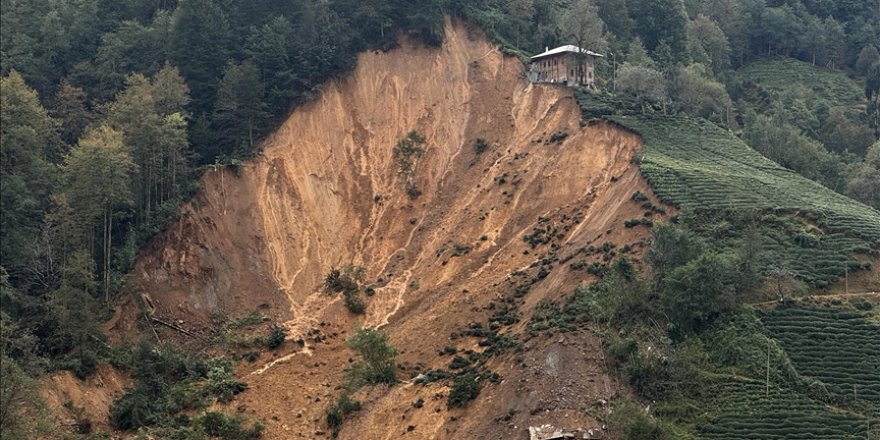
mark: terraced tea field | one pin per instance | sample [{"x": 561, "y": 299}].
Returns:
[
  {"x": 838, "y": 347},
  {"x": 742, "y": 410},
  {"x": 785, "y": 75},
  {"x": 700, "y": 167}
]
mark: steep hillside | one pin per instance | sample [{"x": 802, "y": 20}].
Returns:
[
  {"x": 325, "y": 192},
  {"x": 724, "y": 187}
]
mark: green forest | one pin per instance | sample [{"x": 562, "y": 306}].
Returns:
[{"x": 111, "y": 110}]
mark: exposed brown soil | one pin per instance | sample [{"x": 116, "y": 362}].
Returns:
[
  {"x": 72, "y": 401},
  {"x": 324, "y": 192}
]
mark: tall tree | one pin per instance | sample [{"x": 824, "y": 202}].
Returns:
[
  {"x": 662, "y": 21},
  {"x": 581, "y": 25},
  {"x": 698, "y": 94},
  {"x": 72, "y": 307},
  {"x": 98, "y": 172},
  {"x": 29, "y": 144},
  {"x": 268, "y": 48},
  {"x": 69, "y": 107},
  {"x": 698, "y": 292},
  {"x": 151, "y": 115},
  {"x": 240, "y": 110},
  {"x": 615, "y": 14},
  {"x": 703, "y": 31},
  {"x": 200, "y": 39},
  {"x": 641, "y": 81},
  {"x": 867, "y": 57}
]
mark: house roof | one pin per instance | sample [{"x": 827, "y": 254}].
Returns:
[{"x": 568, "y": 48}]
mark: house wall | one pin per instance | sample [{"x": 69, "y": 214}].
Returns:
[{"x": 563, "y": 68}]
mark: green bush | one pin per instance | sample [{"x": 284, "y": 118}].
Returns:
[
  {"x": 82, "y": 363},
  {"x": 276, "y": 337},
  {"x": 168, "y": 383},
  {"x": 465, "y": 387},
  {"x": 699, "y": 292},
  {"x": 630, "y": 422},
  {"x": 354, "y": 303},
  {"x": 619, "y": 351},
  {"x": 348, "y": 282},
  {"x": 378, "y": 363},
  {"x": 217, "y": 424},
  {"x": 337, "y": 413},
  {"x": 222, "y": 385},
  {"x": 480, "y": 146}
]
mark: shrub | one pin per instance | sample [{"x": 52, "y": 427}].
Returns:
[
  {"x": 333, "y": 281},
  {"x": 558, "y": 137},
  {"x": 405, "y": 153},
  {"x": 465, "y": 387},
  {"x": 354, "y": 303},
  {"x": 82, "y": 363},
  {"x": 276, "y": 337},
  {"x": 378, "y": 363},
  {"x": 222, "y": 385},
  {"x": 671, "y": 247},
  {"x": 217, "y": 424},
  {"x": 134, "y": 409},
  {"x": 337, "y": 413},
  {"x": 348, "y": 282},
  {"x": 629, "y": 421},
  {"x": 458, "y": 362},
  {"x": 639, "y": 196},
  {"x": 168, "y": 383},
  {"x": 699, "y": 292},
  {"x": 620, "y": 350},
  {"x": 480, "y": 146}
]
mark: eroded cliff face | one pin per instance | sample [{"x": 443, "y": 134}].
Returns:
[{"x": 325, "y": 192}]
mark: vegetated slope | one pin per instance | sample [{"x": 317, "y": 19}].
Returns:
[
  {"x": 724, "y": 190},
  {"x": 838, "y": 347},
  {"x": 748, "y": 409},
  {"x": 496, "y": 230},
  {"x": 716, "y": 179},
  {"x": 787, "y": 75}
]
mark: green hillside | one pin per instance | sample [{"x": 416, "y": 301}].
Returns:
[
  {"x": 823, "y": 362},
  {"x": 746, "y": 409},
  {"x": 718, "y": 181},
  {"x": 837, "y": 347},
  {"x": 787, "y": 75}
]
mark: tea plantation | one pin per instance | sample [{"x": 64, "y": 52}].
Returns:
[
  {"x": 787, "y": 75},
  {"x": 709, "y": 173},
  {"x": 838, "y": 347},
  {"x": 743, "y": 409}
]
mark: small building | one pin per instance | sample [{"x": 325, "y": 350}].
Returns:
[{"x": 569, "y": 65}]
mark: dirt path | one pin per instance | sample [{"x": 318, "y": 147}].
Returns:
[{"x": 826, "y": 296}]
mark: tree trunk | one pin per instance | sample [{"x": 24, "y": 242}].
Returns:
[{"x": 108, "y": 224}]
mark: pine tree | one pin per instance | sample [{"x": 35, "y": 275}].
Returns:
[
  {"x": 239, "y": 110},
  {"x": 200, "y": 40}
]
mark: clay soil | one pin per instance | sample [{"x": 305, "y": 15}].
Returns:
[{"x": 325, "y": 192}]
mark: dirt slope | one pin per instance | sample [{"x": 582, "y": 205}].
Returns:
[
  {"x": 71, "y": 400},
  {"x": 325, "y": 192}
]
